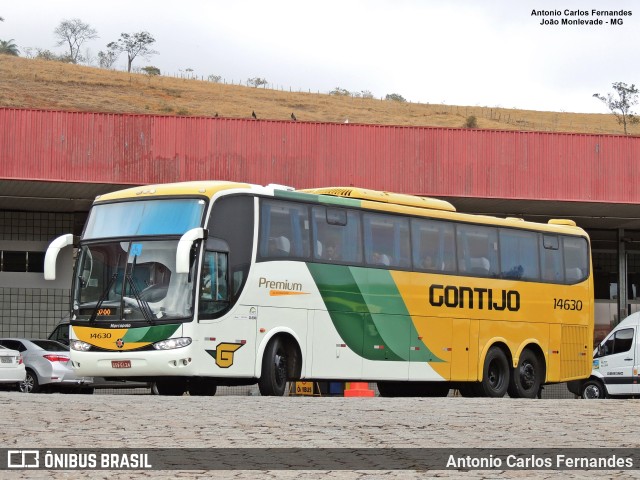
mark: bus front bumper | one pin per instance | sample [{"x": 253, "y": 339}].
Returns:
[{"x": 176, "y": 362}]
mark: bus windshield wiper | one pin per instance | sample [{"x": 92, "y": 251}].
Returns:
[
  {"x": 142, "y": 304},
  {"x": 103, "y": 297}
]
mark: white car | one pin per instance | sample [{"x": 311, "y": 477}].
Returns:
[
  {"x": 12, "y": 369},
  {"x": 47, "y": 365},
  {"x": 616, "y": 364}
]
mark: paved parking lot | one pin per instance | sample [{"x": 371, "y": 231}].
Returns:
[{"x": 143, "y": 421}]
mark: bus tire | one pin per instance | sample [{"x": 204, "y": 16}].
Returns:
[
  {"x": 172, "y": 388},
  {"x": 273, "y": 381},
  {"x": 202, "y": 387},
  {"x": 527, "y": 377},
  {"x": 495, "y": 374},
  {"x": 593, "y": 390}
]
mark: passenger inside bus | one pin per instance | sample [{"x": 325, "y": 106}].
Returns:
[
  {"x": 332, "y": 253},
  {"x": 279, "y": 247}
]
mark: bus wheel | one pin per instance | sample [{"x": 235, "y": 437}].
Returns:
[
  {"x": 273, "y": 381},
  {"x": 527, "y": 377},
  {"x": 174, "y": 387},
  {"x": 495, "y": 376},
  {"x": 202, "y": 387},
  {"x": 593, "y": 389}
]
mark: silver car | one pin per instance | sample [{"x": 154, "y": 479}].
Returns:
[
  {"x": 12, "y": 369},
  {"x": 47, "y": 366}
]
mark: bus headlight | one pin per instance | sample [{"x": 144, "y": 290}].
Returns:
[
  {"x": 79, "y": 345},
  {"x": 172, "y": 343}
]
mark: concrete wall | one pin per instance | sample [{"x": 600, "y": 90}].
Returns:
[{"x": 30, "y": 306}]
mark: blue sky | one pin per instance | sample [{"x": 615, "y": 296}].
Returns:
[{"x": 491, "y": 53}]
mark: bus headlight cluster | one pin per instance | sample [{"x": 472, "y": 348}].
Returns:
[
  {"x": 79, "y": 345},
  {"x": 172, "y": 343}
]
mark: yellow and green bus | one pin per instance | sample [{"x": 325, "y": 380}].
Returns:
[{"x": 199, "y": 284}]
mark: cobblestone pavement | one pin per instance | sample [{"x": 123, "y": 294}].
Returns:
[{"x": 143, "y": 421}]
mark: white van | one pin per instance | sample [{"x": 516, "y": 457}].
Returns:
[{"x": 616, "y": 364}]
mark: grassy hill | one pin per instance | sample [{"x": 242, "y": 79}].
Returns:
[{"x": 41, "y": 84}]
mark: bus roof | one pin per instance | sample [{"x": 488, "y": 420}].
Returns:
[
  {"x": 201, "y": 188},
  {"x": 341, "y": 196}
]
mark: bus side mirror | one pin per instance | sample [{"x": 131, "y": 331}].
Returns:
[
  {"x": 52, "y": 255},
  {"x": 183, "y": 253}
]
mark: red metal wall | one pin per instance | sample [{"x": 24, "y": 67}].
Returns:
[{"x": 139, "y": 149}]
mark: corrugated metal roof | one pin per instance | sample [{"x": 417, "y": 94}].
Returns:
[{"x": 439, "y": 162}]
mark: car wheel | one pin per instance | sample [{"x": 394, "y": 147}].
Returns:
[
  {"x": 30, "y": 383},
  {"x": 593, "y": 390}
]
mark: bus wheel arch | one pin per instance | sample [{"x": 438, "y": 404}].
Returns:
[
  {"x": 529, "y": 374},
  {"x": 496, "y": 371},
  {"x": 281, "y": 361}
]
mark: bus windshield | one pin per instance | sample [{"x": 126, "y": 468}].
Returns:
[
  {"x": 131, "y": 281},
  {"x": 144, "y": 217}
]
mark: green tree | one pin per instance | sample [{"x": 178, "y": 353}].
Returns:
[
  {"x": 621, "y": 102},
  {"x": 136, "y": 45},
  {"x": 471, "y": 122},
  {"x": 151, "y": 71},
  {"x": 73, "y": 33},
  {"x": 257, "y": 82},
  {"x": 395, "y": 97},
  {"x": 7, "y": 47},
  {"x": 107, "y": 59},
  {"x": 342, "y": 92}
]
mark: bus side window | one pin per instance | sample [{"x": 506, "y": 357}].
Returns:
[
  {"x": 519, "y": 255},
  {"x": 214, "y": 283},
  {"x": 284, "y": 230},
  {"x": 551, "y": 259},
  {"x": 576, "y": 259},
  {"x": 477, "y": 250},
  {"x": 386, "y": 240},
  {"x": 433, "y": 244},
  {"x": 337, "y": 235}
]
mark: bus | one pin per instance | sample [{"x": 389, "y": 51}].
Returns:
[{"x": 195, "y": 285}]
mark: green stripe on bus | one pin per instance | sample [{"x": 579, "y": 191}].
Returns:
[
  {"x": 320, "y": 199},
  {"x": 150, "y": 334},
  {"x": 368, "y": 312}
]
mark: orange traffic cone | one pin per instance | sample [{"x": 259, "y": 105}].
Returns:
[{"x": 358, "y": 389}]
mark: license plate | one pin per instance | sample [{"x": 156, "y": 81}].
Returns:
[
  {"x": 6, "y": 360},
  {"x": 120, "y": 363}
]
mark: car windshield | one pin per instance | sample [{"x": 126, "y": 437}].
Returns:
[
  {"x": 50, "y": 346},
  {"x": 131, "y": 281}
]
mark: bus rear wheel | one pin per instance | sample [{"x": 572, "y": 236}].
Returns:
[
  {"x": 273, "y": 381},
  {"x": 527, "y": 376},
  {"x": 495, "y": 375}
]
